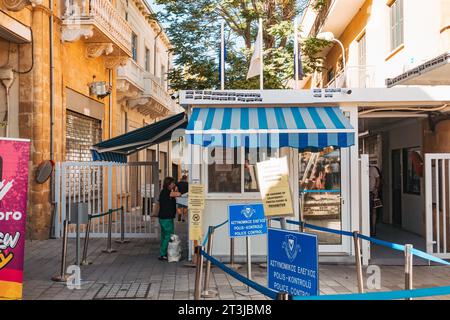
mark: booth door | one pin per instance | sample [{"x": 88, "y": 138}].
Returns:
[{"x": 323, "y": 195}]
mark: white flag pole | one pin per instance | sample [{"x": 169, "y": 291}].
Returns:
[
  {"x": 296, "y": 52},
  {"x": 261, "y": 65},
  {"x": 222, "y": 56}
]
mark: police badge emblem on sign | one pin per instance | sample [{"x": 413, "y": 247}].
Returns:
[{"x": 291, "y": 247}]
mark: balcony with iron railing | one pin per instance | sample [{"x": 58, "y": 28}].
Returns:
[
  {"x": 100, "y": 25},
  {"x": 354, "y": 77}
]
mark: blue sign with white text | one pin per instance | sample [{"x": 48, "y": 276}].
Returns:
[
  {"x": 246, "y": 220},
  {"x": 292, "y": 262}
]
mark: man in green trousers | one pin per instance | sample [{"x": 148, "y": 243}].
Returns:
[{"x": 167, "y": 212}]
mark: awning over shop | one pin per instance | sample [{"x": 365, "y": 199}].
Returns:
[
  {"x": 117, "y": 149},
  {"x": 272, "y": 127}
]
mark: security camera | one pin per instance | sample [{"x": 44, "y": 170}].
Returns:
[
  {"x": 175, "y": 96},
  {"x": 347, "y": 91}
]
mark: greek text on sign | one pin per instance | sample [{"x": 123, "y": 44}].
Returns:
[
  {"x": 274, "y": 187},
  {"x": 196, "y": 196},
  {"x": 292, "y": 262},
  {"x": 196, "y": 191},
  {"x": 246, "y": 220}
]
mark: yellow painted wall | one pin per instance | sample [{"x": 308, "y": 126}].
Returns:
[
  {"x": 352, "y": 31},
  {"x": 24, "y": 16}
]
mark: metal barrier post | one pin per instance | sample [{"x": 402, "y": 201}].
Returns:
[
  {"x": 282, "y": 296},
  {"x": 408, "y": 268},
  {"x": 109, "y": 248},
  {"x": 86, "y": 243},
  {"x": 122, "y": 227},
  {"x": 232, "y": 265},
  {"x": 62, "y": 277},
  {"x": 249, "y": 291},
  {"x": 359, "y": 271},
  {"x": 198, "y": 273},
  {"x": 207, "y": 293}
]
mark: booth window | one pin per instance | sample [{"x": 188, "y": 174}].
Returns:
[
  {"x": 252, "y": 157},
  {"x": 224, "y": 174},
  {"x": 233, "y": 170},
  {"x": 320, "y": 191}
]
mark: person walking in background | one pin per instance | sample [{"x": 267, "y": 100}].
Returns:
[
  {"x": 167, "y": 212},
  {"x": 183, "y": 187}
]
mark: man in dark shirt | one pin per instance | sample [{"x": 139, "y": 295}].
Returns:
[
  {"x": 167, "y": 212},
  {"x": 183, "y": 187}
]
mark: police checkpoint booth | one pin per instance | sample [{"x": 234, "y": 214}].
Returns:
[
  {"x": 229, "y": 132},
  {"x": 318, "y": 131}
]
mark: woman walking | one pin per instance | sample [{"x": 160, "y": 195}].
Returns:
[{"x": 167, "y": 212}]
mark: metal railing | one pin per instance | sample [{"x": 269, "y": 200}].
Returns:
[{"x": 96, "y": 187}]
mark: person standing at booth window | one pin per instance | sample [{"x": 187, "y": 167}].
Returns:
[
  {"x": 374, "y": 187},
  {"x": 167, "y": 212}
]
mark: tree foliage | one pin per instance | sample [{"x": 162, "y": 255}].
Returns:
[{"x": 193, "y": 27}]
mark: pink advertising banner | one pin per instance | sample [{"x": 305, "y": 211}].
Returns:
[{"x": 14, "y": 157}]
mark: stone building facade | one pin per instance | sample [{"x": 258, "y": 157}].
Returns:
[{"x": 63, "y": 58}]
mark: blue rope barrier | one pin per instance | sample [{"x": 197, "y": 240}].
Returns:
[
  {"x": 261, "y": 289},
  {"x": 401, "y": 247},
  {"x": 384, "y": 295},
  {"x": 391, "y": 245},
  {"x": 214, "y": 227},
  {"x": 321, "y": 191}
]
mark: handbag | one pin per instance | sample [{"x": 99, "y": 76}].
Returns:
[
  {"x": 377, "y": 203},
  {"x": 155, "y": 210}
]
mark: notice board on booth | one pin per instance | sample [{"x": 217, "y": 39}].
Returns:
[
  {"x": 14, "y": 157},
  {"x": 196, "y": 205},
  {"x": 273, "y": 179},
  {"x": 293, "y": 262}
]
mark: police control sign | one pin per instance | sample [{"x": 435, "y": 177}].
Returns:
[
  {"x": 292, "y": 262},
  {"x": 246, "y": 220}
]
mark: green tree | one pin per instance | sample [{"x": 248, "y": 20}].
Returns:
[{"x": 193, "y": 27}]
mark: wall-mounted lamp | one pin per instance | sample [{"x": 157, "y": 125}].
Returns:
[{"x": 99, "y": 88}]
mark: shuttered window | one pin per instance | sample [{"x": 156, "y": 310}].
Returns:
[
  {"x": 396, "y": 24},
  {"x": 81, "y": 133}
]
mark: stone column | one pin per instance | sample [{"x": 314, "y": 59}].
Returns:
[{"x": 34, "y": 114}]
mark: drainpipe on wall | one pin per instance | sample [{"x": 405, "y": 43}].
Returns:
[
  {"x": 52, "y": 101},
  {"x": 158, "y": 158},
  {"x": 110, "y": 104},
  {"x": 154, "y": 51}
]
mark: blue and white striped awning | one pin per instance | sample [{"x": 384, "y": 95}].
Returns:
[{"x": 274, "y": 127}]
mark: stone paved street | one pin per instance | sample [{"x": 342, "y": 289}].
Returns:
[{"x": 134, "y": 272}]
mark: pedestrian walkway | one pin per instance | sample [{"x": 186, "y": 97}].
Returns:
[
  {"x": 385, "y": 256},
  {"x": 134, "y": 272}
]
